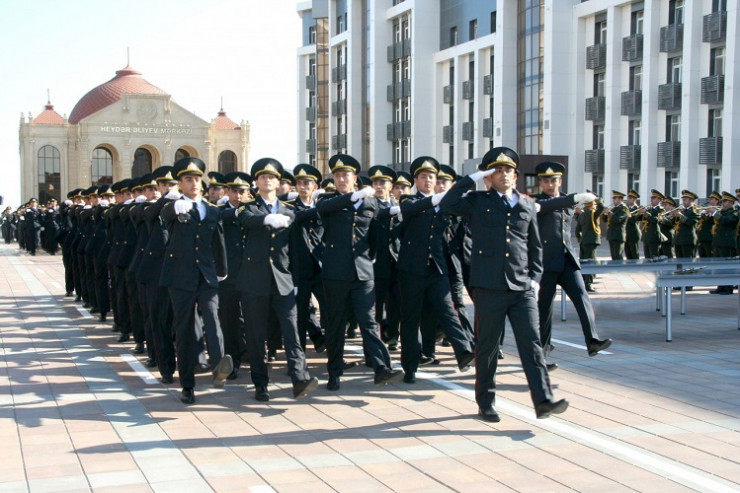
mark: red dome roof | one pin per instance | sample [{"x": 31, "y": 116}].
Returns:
[
  {"x": 49, "y": 116},
  {"x": 223, "y": 122},
  {"x": 126, "y": 81}
]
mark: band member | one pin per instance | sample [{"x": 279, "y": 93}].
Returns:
[
  {"x": 667, "y": 227},
  {"x": 706, "y": 224},
  {"x": 616, "y": 225},
  {"x": 194, "y": 263},
  {"x": 725, "y": 224},
  {"x": 687, "y": 219},
  {"x": 633, "y": 232},
  {"x": 588, "y": 233},
  {"x": 505, "y": 273},
  {"x": 651, "y": 217}
]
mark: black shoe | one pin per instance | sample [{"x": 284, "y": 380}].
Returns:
[
  {"x": 139, "y": 348},
  {"x": 167, "y": 379},
  {"x": 425, "y": 360},
  {"x": 333, "y": 383},
  {"x": 409, "y": 377},
  {"x": 222, "y": 370},
  {"x": 590, "y": 289},
  {"x": 103, "y": 316},
  {"x": 546, "y": 408},
  {"x": 552, "y": 366},
  {"x": 500, "y": 354},
  {"x": 150, "y": 363},
  {"x": 393, "y": 347},
  {"x": 234, "y": 374},
  {"x": 115, "y": 327},
  {"x": 446, "y": 342},
  {"x": 86, "y": 305},
  {"x": 304, "y": 387},
  {"x": 188, "y": 396},
  {"x": 271, "y": 354},
  {"x": 347, "y": 365},
  {"x": 125, "y": 336},
  {"x": 261, "y": 394},
  {"x": 319, "y": 343},
  {"x": 78, "y": 298},
  {"x": 351, "y": 334},
  {"x": 69, "y": 293},
  {"x": 384, "y": 376},
  {"x": 489, "y": 414},
  {"x": 595, "y": 345},
  {"x": 201, "y": 368},
  {"x": 465, "y": 359},
  {"x": 93, "y": 311}
]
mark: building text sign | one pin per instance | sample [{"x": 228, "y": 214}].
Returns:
[{"x": 120, "y": 129}]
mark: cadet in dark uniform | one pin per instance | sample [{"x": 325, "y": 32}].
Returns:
[
  {"x": 633, "y": 232},
  {"x": 668, "y": 227},
  {"x": 402, "y": 185},
  {"x": 559, "y": 259},
  {"x": 216, "y": 187},
  {"x": 616, "y": 225},
  {"x": 725, "y": 224},
  {"x": 706, "y": 224},
  {"x": 688, "y": 220},
  {"x": 347, "y": 271},
  {"x": 32, "y": 225},
  {"x": 194, "y": 263},
  {"x": 652, "y": 236},
  {"x": 506, "y": 268},
  {"x": 589, "y": 235},
  {"x": 266, "y": 282},
  {"x": 99, "y": 248}
]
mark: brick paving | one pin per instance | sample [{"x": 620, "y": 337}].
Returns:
[{"x": 79, "y": 412}]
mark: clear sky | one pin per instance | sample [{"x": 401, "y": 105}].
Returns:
[{"x": 198, "y": 51}]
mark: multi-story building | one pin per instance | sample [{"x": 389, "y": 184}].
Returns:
[{"x": 628, "y": 94}]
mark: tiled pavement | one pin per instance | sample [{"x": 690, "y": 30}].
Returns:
[{"x": 78, "y": 412}]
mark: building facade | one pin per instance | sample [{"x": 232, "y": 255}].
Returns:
[
  {"x": 628, "y": 94},
  {"x": 123, "y": 128}
]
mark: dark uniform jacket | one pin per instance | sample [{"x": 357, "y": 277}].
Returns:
[
  {"x": 422, "y": 235},
  {"x": 386, "y": 238},
  {"x": 506, "y": 251},
  {"x": 150, "y": 267},
  {"x": 634, "y": 233},
  {"x": 234, "y": 237},
  {"x": 306, "y": 241},
  {"x": 687, "y": 226},
  {"x": 616, "y": 223},
  {"x": 349, "y": 250},
  {"x": 724, "y": 233},
  {"x": 196, "y": 247},
  {"x": 266, "y": 254},
  {"x": 651, "y": 220},
  {"x": 555, "y": 220}
]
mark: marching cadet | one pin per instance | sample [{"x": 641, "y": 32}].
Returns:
[
  {"x": 266, "y": 282},
  {"x": 230, "y": 311},
  {"x": 633, "y": 232},
  {"x": 97, "y": 249},
  {"x": 588, "y": 232},
  {"x": 387, "y": 295},
  {"x": 402, "y": 185},
  {"x": 505, "y": 273},
  {"x": 706, "y": 224},
  {"x": 7, "y": 224},
  {"x": 32, "y": 224},
  {"x": 725, "y": 224},
  {"x": 194, "y": 263},
  {"x": 125, "y": 257},
  {"x": 116, "y": 237},
  {"x": 667, "y": 227},
  {"x": 616, "y": 225},
  {"x": 347, "y": 271},
  {"x": 651, "y": 216},
  {"x": 423, "y": 273},
  {"x": 306, "y": 255},
  {"x": 286, "y": 190},
  {"x": 216, "y": 187},
  {"x": 86, "y": 264},
  {"x": 559, "y": 260},
  {"x": 69, "y": 224},
  {"x": 158, "y": 303},
  {"x": 687, "y": 220},
  {"x": 49, "y": 227}
]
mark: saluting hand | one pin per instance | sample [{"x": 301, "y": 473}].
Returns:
[{"x": 277, "y": 221}]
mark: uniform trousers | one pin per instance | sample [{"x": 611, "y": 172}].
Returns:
[
  {"x": 705, "y": 249},
  {"x": 145, "y": 318},
  {"x": 616, "y": 248},
  {"x": 69, "y": 279},
  {"x": 260, "y": 312},
  {"x": 572, "y": 282},
  {"x": 387, "y": 308},
  {"x": 136, "y": 317},
  {"x": 80, "y": 282},
  {"x": 123, "y": 314},
  {"x": 588, "y": 252},
  {"x": 491, "y": 309},
  {"x": 652, "y": 250},
  {"x": 231, "y": 317},
  {"x": 187, "y": 344},
  {"x": 685, "y": 251},
  {"x": 102, "y": 287},
  {"x": 307, "y": 323},
  {"x": 92, "y": 294},
  {"x": 160, "y": 316},
  {"x": 631, "y": 251},
  {"x": 343, "y": 298},
  {"x": 431, "y": 291}
]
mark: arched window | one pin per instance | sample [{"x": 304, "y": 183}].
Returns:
[
  {"x": 49, "y": 174},
  {"x": 101, "y": 167},
  {"x": 181, "y": 153},
  {"x": 142, "y": 162},
  {"x": 226, "y": 162}
]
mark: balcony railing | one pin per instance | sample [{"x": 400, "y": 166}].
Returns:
[
  {"x": 710, "y": 150},
  {"x": 488, "y": 85},
  {"x": 399, "y": 49},
  {"x": 488, "y": 128},
  {"x": 596, "y": 56},
  {"x": 671, "y": 38},
  {"x": 311, "y": 113},
  {"x": 669, "y": 96},
  {"x": 632, "y": 48},
  {"x": 398, "y": 90},
  {"x": 468, "y": 89},
  {"x": 339, "y": 107},
  {"x": 310, "y": 82},
  {"x": 714, "y": 26},
  {"x": 713, "y": 89},
  {"x": 447, "y": 133},
  {"x": 339, "y": 73},
  {"x": 398, "y": 130},
  {"x": 595, "y": 161},
  {"x": 468, "y": 131},
  {"x": 596, "y": 109},
  {"x": 311, "y": 146},
  {"x": 629, "y": 157},
  {"x": 669, "y": 154},
  {"x": 631, "y": 103}
]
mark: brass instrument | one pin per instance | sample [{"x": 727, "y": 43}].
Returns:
[{"x": 670, "y": 212}]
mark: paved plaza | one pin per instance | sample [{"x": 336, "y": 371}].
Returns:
[{"x": 80, "y": 412}]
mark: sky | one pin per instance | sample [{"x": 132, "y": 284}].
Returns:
[{"x": 198, "y": 51}]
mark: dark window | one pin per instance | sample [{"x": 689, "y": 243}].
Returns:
[
  {"x": 493, "y": 22},
  {"x": 49, "y": 163},
  {"x": 142, "y": 162},
  {"x": 719, "y": 5},
  {"x": 473, "y": 29},
  {"x": 181, "y": 153},
  {"x": 453, "y": 36},
  {"x": 101, "y": 169},
  {"x": 226, "y": 162}
]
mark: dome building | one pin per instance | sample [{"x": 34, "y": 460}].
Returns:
[{"x": 125, "y": 127}]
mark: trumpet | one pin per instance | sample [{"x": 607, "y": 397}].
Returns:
[
  {"x": 671, "y": 212},
  {"x": 707, "y": 209}
]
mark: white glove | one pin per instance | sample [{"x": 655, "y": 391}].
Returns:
[
  {"x": 23, "y": 218},
  {"x": 318, "y": 192},
  {"x": 583, "y": 197},
  {"x": 395, "y": 210},
  {"x": 183, "y": 206},
  {"x": 363, "y": 193},
  {"x": 128, "y": 201},
  {"x": 222, "y": 200},
  {"x": 140, "y": 198},
  {"x": 437, "y": 198},
  {"x": 221, "y": 278},
  {"x": 292, "y": 195},
  {"x": 104, "y": 203},
  {"x": 536, "y": 288},
  {"x": 67, "y": 202},
  {"x": 173, "y": 196},
  {"x": 295, "y": 291},
  {"x": 277, "y": 221},
  {"x": 43, "y": 229},
  {"x": 479, "y": 175},
  {"x": 88, "y": 206}
]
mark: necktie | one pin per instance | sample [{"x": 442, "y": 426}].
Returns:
[{"x": 506, "y": 202}]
